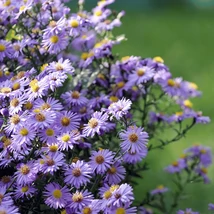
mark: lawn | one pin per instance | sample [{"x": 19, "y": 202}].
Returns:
[{"x": 184, "y": 39}]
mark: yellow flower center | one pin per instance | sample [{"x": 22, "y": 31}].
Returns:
[
  {"x": 120, "y": 84},
  {"x": 66, "y": 138},
  {"x": 101, "y": 76},
  {"x": 5, "y": 179},
  {"x": 125, "y": 58},
  {"x": 24, "y": 132},
  {"x": 63, "y": 212},
  {"x": 7, "y": 142},
  {"x": 14, "y": 102},
  {"x": 7, "y": 3},
  {"x": 114, "y": 187},
  {"x": 84, "y": 55},
  {"x": 114, "y": 99},
  {"x": 74, "y": 23},
  {"x": 16, "y": 86},
  {"x": 99, "y": 159},
  {"x": 120, "y": 210},
  {"x": 193, "y": 85},
  {"x": 160, "y": 187},
  {"x": 98, "y": 13},
  {"x": 24, "y": 170},
  {"x": 188, "y": 104},
  {"x": 65, "y": 121},
  {"x": 87, "y": 210},
  {"x": 5, "y": 90},
  {"x": 77, "y": 197},
  {"x": 158, "y": 59},
  {"x": 3, "y": 212},
  {"x": 112, "y": 170},
  {"x": 133, "y": 138},
  {"x": 203, "y": 151},
  {"x": 171, "y": 83},
  {"x": 45, "y": 106},
  {"x": 2, "y": 48},
  {"x": 75, "y": 159},
  {"x": 50, "y": 162},
  {"x": 57, "y": 193},
  {"x": 204, "y": 170},
  {"x": 53, "y": 148},
  {"x": 140, "y": 72},
  {"x": 28, "y": 105},
  {"x": 179, "y": 113},
  {"x": 40, "y": 117},
  {"x": 93, "y": 123},
  {"x": 175, "y": 164},
  {"x": 22, "y": 8},
  {"x": 34, "y": 85},
  {"x": 43, "y": 66},
  {"x": 49, "y": 132},
  {"x": 75, "y": 95},
  {"x": 54, "y": 39},
  {"x": 76, "y": 172},
  {"x": 107, "y": 194},
  {"x": 24, "y": 189}
]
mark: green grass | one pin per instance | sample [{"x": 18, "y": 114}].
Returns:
[{"x": 184, "y": 39}]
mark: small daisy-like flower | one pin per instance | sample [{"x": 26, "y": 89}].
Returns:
[
  {"x": 48, "y": 134},
  {"x": 23, "y": 136},
  {"x": 134, "y": 139},
  {"x": 122, "y": 195},
  {"x": 5, "y": 49},
  {"x": 61, "y": 66},
  {"x": 78, "y": 174},
  {"x": 55, "y": 42},
  {"x": 52, "y": 163},
  {"x": 6, "y": 181},
  {"x": 80, "y": 199},
  {"x": 68, "y": 121},
  {"x": 26, "y": 173},
  {"x": 115, "y": 173},
  {"x": 68, "y": 139},
  {"x": 56, "y": 196},
  {"x": 134, "y": 157},
  {"x": 5, "y": 198},
  {"x": 187, "y": 211},
  {"x": 101, "y": 161},
  {"x": 120, "y": 108},
  {"x": 50, "y": 104},
  {"x": 24, "y": 191},
  {"x": 159, "y": 190},
  {"x": 93, "y": 208},
  {"x": 95, "y": 124},
  {"x": 211, "y": 206},
  {"x": 9, "y": 209},
  {"x": 176, "y": 166},
  {"x": 124, "y": 210},
  {"x": 16, "y": 104},
  {"x": 74, "y": 98}
]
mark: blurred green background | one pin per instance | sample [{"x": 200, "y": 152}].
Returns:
[{"x": 182, "y": 33}]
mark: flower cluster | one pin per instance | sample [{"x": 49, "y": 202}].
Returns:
[{"x": 75, "y": 119}]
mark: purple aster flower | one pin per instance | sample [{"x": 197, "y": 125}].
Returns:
[
  {"x": 80, "y": 199},
  {"x": 68, "y": 121},
  {"x": 188, "y": 210},
  {"x": 26, "y": 173},
  {"x": 134, "y": 139},
  {"x": 123, "y": 209},
  {"x": 143, "y": 210},
  {"x": 68, "y": 139},
  {"x": 134, "y": 157},
  {"x": 16, "y": 104},
  {"x": 74, "y": 98},
  {"x": 93, "y": 208},
  {"x": 5, "y": 198},
  {"x": 6, "y": 181},
  {"x": 202, "y": 171},
  {"x": 122, "y": 195},
  {"x": 52, "y": 163},
  {"x": 50, "y": 104},
  {"x": 115, "y": 174},
  {"x": 55, "y": 42},
  {"x": 49, "y": 134},
  {"x": 101, "y": 161},
  {"x": 99, "y": 14},
  {"x": 5, "y": 49},
  {"x": 159, "y": 190},
  {"x": 61, "y": 66},
  {"x": 78, "y": 174},
  {"x": 56, "y": 196},
  {"x": 95, "y": 124},
  {"x": 211, "y": 206},
  {"x": 23, "y": 136},
  {"x": 120, "y": 108},
  {"x": 177, "y": 166},
  {"x": 24, "y": 191},
  {"x": 9, "y": 209}
]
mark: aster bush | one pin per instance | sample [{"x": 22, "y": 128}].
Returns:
[{"x": 76, "y": 120}]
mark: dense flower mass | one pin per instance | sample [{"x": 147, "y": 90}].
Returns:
[{"x": 76, "y": 120}]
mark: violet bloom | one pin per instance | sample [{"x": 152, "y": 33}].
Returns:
[
  {"x": 123, "y": 209},
  {"x": 56, "y": 196},
  {"x": 78, "y": 174},
  {"x": 101, "y": 161},
  {"x": 115, "y": 174},
  {"x": 120, "y": 108},
  {"x": 134, "y": 157},
  {"x": 24, "y": 191},
  {"x": 188, "y": 210},
  {"x": 80, "y": 199},
  {"x": 122, "y": 195},
  {"x": 50, "y": 104},
  {"x": 134, "y": 139},
  {"x": 211, "y": 206},
  {"x": 5, "y": 50},
  {"x": 9, "y": 209},
  {"x": 95, "y": 124},
  {"x": 159, "y": 190},
  {"x": 177, "y": 166}
]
